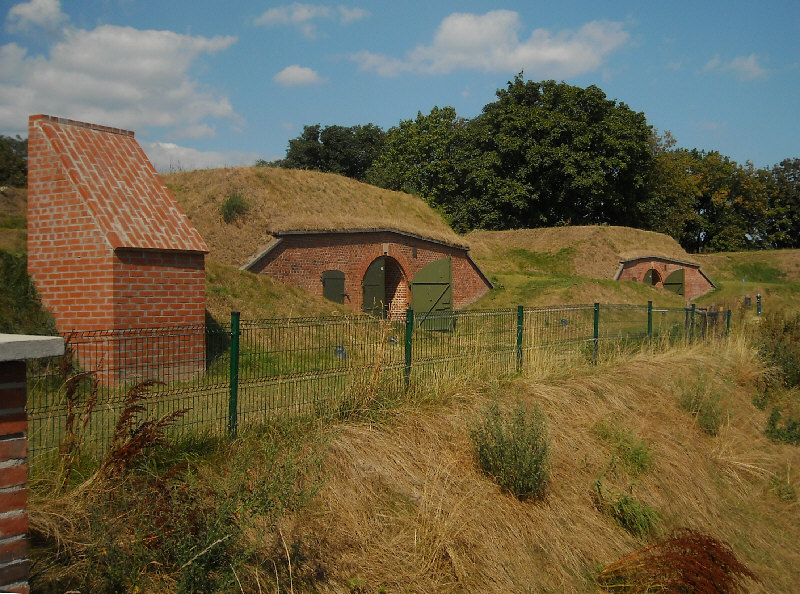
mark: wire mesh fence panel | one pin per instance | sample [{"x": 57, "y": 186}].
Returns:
[{"x": 315, "y": 366}]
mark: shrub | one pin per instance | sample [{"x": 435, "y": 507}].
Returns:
[
  {"x": 514, "y": 449},
  {"x": 688, "y": 561},
  {"x": 779, "y": 343},
  {"x": 233, "y": 207}
]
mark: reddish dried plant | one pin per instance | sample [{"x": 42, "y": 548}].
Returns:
[{"x": 689, "y": 561}]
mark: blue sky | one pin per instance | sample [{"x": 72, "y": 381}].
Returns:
[{"x": 224, "y": 83}]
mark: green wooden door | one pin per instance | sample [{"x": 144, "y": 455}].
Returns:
[
  {"x": 648, "y": 278},
  {"x": 333, "y": 285},
  {"x": 374, "y": 288},
  {"x": 432, "y": 295},
  {"x": 675, "y": 282}
]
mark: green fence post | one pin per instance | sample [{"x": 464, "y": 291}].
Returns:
[
  {"x": 233, "y": 402},
  {"x": 728, "y": 323},
  {"x": 758, "y": 304},
  {"x": 409, "y": 338},
  {"x": 520, "y": 325},
  {"x": 596, "y": 332},
  {"x": 691, "y": 323},
  {"x": 649, "y": 320}
]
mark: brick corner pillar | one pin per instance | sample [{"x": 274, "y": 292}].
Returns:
[{"x": 14, "y": 351}]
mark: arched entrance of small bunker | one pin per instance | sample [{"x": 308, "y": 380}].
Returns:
[
  {"x": 652, "y": 277},
  {"x": 385, "y": 291}
]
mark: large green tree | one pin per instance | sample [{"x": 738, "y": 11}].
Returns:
[
  {"x": 542, "y": 154},
  {"x": 784, "y": 217},
  {"x": 346, "y": 150}
]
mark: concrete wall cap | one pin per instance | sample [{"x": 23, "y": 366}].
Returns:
[{"x": 19, "y": 347}]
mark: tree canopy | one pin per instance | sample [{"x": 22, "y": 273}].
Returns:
[{"x": 13, "y": 161}]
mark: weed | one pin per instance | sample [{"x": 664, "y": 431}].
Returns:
[
  {"x": 688, "y": 561},
  {"x": 514, "y": 449},
  {"x": 704, "y": 405},
  {"x": 234, "y": 206},
  {"x": 629, "y": 449},
  {"x": 630, "y": 514},
  {"x": 778, "y": 341},
  {"x": 783, "y": 430}
]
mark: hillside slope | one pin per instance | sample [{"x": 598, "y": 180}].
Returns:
[
  {"x": 287, "y": 200},
  {"x": 404, "y": 507}
]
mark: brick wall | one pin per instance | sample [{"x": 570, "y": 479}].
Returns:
[
  {"x": 14, "y": 565},
  {"x": 695, "y": 284},
  {"x": 68, "y": 256},
  {"x": 301, "y": 259}
]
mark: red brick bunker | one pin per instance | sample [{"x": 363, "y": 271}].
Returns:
[
  {"x": 684, "y": 278},
  {"x": 418, "y": 272},
  {"x": 108, "y": 246}
]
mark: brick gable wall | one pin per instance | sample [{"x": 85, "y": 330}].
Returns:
[
  {"x": 301, "y": 259},
  {"x": 108, "y": 247}
]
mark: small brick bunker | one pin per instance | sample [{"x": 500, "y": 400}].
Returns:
[
  {"x": 108, "y": 246},
  {"x": 379, "y": 271},
  {"x": 684, "y": 278}
]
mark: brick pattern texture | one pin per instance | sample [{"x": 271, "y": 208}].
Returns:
[
  {"x": 14, "y": 564},
  {"x": 108, "y": 245},
  {"x": 300, "y": 259},
  {"x": 695, "y": 283}
]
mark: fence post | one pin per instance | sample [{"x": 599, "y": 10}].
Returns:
[
  {"x": 691, "y": 324},
  {"x": 520, "y": 325},
  {"x": 728, "y": 323},
  {"x": 758, "y": 304},
  {"x": 233, "y": 402},
  {"x": 650, "y": 320},
  {"x": 409, "y": 338},
  {"x": 596, "y": 332}
]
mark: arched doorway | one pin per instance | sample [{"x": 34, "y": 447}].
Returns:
[
  {"x": 385, "y": 289},
  {"x": 652, "y": 277}
]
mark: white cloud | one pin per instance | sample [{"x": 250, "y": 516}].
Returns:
[
  {"x": 349, "y": 15},
  {"x": 303, "y": 16},
  {"x": 491, "y": 43},
  {"x": 36, "y": 13},
  {"x": 296, "y": 75},
  {"x": 112, "y": 75},
  {"x": 744, "y": 67},
  {"x": 167, "y": 156}
]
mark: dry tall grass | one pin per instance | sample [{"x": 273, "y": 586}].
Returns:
[{"x": 405, "y": 508}]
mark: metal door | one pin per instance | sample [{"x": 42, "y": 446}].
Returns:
[
  {"x": 432, "y": 295},
  {"x": 648, "y": 278},
  {"x": 675, "y": 282},
  {"x": 374, "y": 288},
  {"x": 333, "y": 285}
]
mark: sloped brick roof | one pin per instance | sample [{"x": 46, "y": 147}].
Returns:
[{"x": 128, "y": 199}]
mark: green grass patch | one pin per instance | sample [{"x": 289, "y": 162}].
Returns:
[
  {"x": 21, "y": 310},
  {"x": 758, "y": 272},
  {"x": 629, "y": 513},
  {"x": 704, "y": 404},
  {"x": 633, "y": 453},
  {"x": 558, "y": 263}
]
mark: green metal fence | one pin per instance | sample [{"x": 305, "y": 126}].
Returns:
[{"x": 225, "y": 376}]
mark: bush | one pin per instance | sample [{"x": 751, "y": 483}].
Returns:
[
  {"x": 233, "y": 207},
  {"x": 514, "y": 449},
  {"x": 779, "y": 343}
]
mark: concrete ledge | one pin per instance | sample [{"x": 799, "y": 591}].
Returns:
[{"x": 18, "y": 347}]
